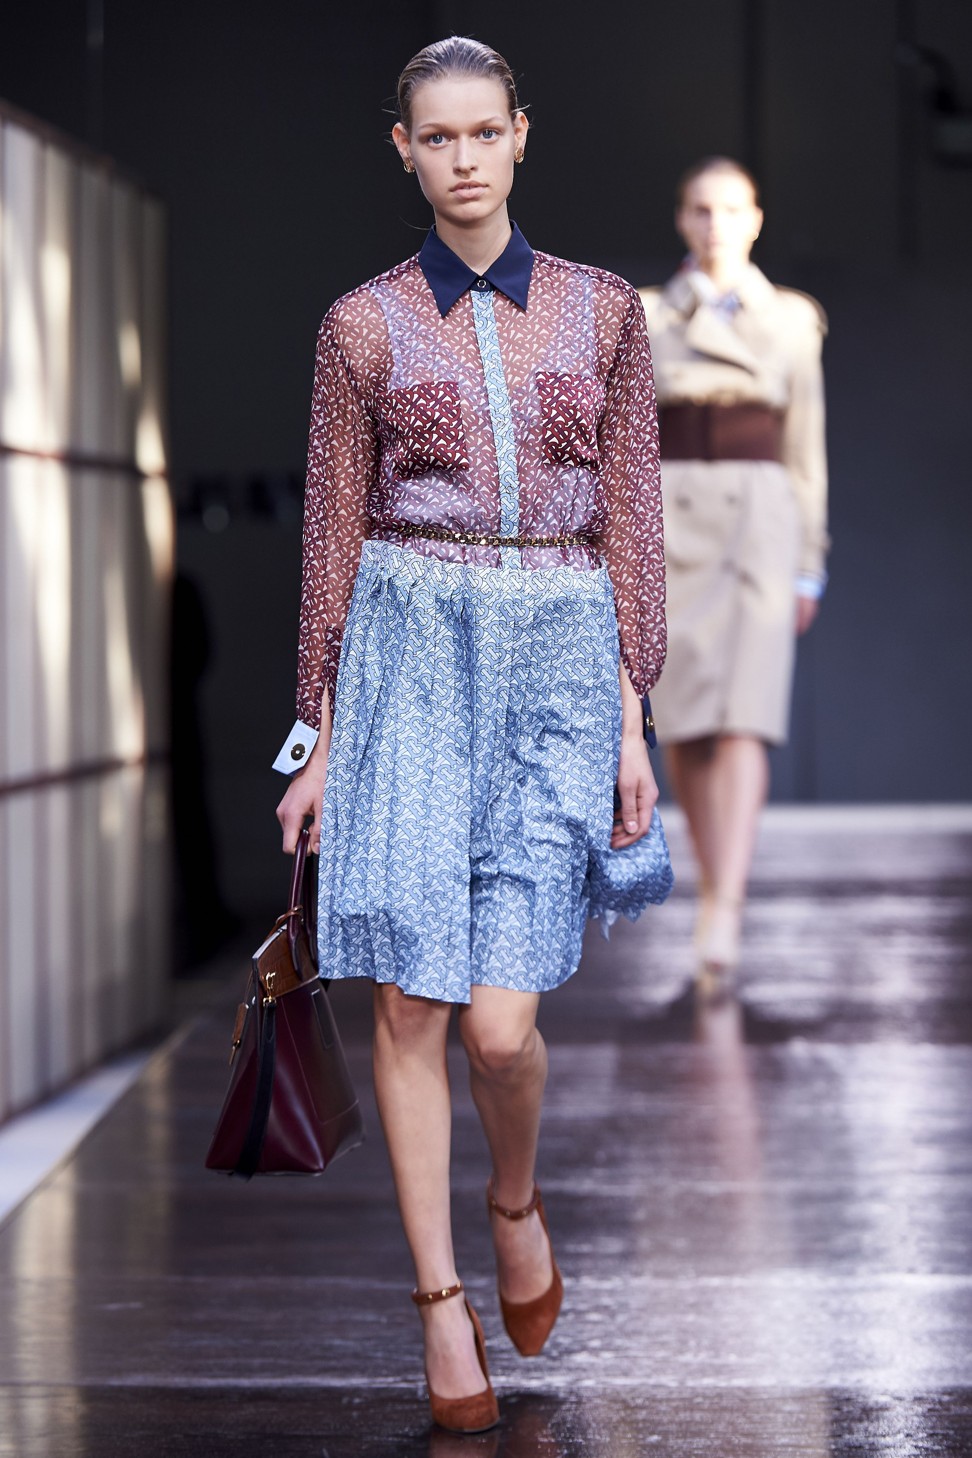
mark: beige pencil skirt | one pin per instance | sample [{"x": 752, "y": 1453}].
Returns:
[{"x": 732, "y": 545}]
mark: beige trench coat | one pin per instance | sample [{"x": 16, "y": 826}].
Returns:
[{"x": 738, "y": 533}]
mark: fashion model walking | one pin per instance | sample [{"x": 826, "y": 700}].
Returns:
[
  {"x": 482, "y": 531},
  {"x": 744, "y": 477}
]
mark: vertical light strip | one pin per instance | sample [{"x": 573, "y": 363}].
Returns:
[{"x": 21, "y": 408}]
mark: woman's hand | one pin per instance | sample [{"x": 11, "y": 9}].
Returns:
[
  {"x": 637, "y": 790},
  {"x": 807, "y": 609},
  {"x": 304, "y": 796}
]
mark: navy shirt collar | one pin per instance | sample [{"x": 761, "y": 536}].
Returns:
[{"x": 449, "y": 278}]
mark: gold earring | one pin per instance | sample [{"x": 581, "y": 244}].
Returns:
[
  {"x": 518, "y": 155},
  {"x": 408, "y": 164}
]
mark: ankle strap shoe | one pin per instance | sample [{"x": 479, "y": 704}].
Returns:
[
  {"x": 529, "y": 1323},
  {"x": 475, "y": 1414}
]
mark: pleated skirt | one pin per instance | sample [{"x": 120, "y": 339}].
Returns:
[{"x": 470, "y": 776}]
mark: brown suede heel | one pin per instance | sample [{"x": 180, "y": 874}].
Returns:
[
  {"x": 473, "y": 1414},
  {"x": 529, "y": 1323}
]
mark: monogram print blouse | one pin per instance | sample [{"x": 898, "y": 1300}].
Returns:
[{"x": 402, "y": 433}]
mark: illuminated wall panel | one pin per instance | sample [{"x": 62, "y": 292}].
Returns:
[
  {"x": 19, "y": 561},
  {"x": 58, "y": 231},
  {"x": 22, "y": 397},
  {"x": 86, "y": 550}
]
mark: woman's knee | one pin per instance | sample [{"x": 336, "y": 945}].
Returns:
[
  {"x": 497, "y": 1051},
  {"x": 408, "y": 1020}
]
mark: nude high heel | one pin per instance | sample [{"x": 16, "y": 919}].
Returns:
[
  {"x": 473, "y": 1414},
  {"x": 529, "y": 1323},
  {"x": 719, "y": 946}
]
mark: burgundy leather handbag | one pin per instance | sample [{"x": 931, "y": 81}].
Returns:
[{"x": 290, "y": 1107}]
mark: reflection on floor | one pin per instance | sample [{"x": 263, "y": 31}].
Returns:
[
  {"x": 761, "y": 1207},
  {"x": 34, "y": 1143}
]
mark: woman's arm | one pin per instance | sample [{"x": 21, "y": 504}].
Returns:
[
  {"x": 631, "y": 479},
  {"x": 805, "y": 450},
  {"x": 305, "y": 792},
  {"x": 637, "y": 790},
  {"x": 341, "y": 463}
]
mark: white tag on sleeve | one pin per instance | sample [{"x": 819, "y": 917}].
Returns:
[{"x": 296, "y": 749}]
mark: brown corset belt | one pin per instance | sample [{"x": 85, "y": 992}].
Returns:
[{"x": 741, "y": 432}]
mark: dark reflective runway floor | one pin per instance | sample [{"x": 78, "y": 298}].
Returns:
[{"x": 762, "y": 1210}]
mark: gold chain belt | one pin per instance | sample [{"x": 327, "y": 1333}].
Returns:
[{"x": 482, "y": 539}]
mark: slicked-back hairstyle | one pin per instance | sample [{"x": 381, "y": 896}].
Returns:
[
  {"x": 714, "y": 164},
  {"x": 455, "y": 56}
]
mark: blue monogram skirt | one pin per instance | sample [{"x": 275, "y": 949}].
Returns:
[{"x": 469, "y": 795}]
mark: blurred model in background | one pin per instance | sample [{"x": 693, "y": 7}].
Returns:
[{"x": 744, "y": 479}]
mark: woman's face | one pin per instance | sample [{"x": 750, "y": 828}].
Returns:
[
  {"x": 719, "y": 220},
  {"x": 462, "y": 144}
]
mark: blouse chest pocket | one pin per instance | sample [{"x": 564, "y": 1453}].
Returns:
[
  {"x": 571, "y": 407},
  {"x": 421, "y": 428}
]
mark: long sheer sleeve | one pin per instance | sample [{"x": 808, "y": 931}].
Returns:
[
  {"x": 341, "y": 463},
  {"x": 630, "y": 474}
]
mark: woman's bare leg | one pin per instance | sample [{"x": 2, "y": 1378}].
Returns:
[
  {"x": 412, "y": 1088},
  {"x": 721, "y": 784},
  {"x": 689, "y": 769},
  {"x": 739, "y": 784},
  {"x": 507, "y": 1073}
]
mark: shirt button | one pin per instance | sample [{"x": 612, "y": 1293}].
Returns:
[
  {"x": 481, "y": 284},
  {"x": 298, "y": 751}
]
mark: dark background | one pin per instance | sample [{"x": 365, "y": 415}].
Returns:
[{"x": 264, "y": 128}]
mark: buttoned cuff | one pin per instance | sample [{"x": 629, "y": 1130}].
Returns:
[
  {"x": 650, "y": 737},
  {"x": 808, "y": 586},
  {"x": 296, "y": 748}
]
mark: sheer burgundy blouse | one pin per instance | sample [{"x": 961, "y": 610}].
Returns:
[{"x": 401, "y": 432}]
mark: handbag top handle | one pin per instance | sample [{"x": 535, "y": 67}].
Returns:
[
  {"x": 302, "y": 904},
  {"x": 297, "y": 868}
]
